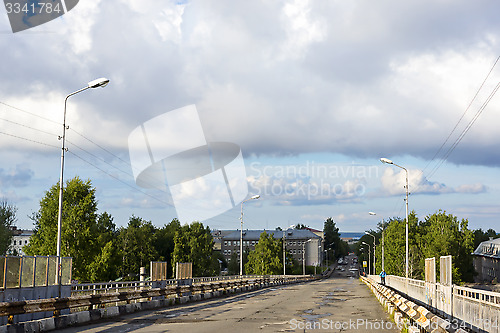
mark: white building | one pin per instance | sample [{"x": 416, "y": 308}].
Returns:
[
  {"x": 20, "y": 238},
  {"x": 296, "y": 241},
  {"x": 487, "y": 261}
]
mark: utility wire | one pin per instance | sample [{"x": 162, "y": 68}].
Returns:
[
  {"x": 466, "y": 129},
  {"x": 99, "y": 146},
  {"x": 30, "y": 113},
  {"x": 30, "y": 140},
  {"x": 464, "y": 132},
  {"x": 121, "y": 181},
  {"x": 463, "y": 114},
  {"x": 26, "y": 126}
]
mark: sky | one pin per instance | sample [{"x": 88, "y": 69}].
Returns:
[{"x": 313, "y": 93}]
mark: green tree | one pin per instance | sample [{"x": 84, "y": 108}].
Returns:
[
  {"x": 233, "y": 267},
  {"x": 266, "y": 258},
  {"x": 481, "y": 236},
  {"x": 443, "y": 234},
  {"x": 136, "y": 248},
  {"x": 194, "y": 243},
  {"x": 336, "y": 247},
  {"x": 106, "y": 264},
  {"x": 395, "y": 247},
  {"x": 79, "y": 232},
  {"x": 440, "y": 234},
  {"x": 7, "y": 220},
  {"x": 164, "y": 242}
]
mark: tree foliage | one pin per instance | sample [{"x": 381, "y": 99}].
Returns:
[
  {"x": 439, "y": 234},
  {"x": 7, "y": 220},
  {"x": 80, "y": 231},
  {"x": 194, "y": 243},
  {"x": 335, "y": 246},
  {"x": 266, "y": 258},
  {"x": 136, "y": 246},
  {"x": 481, "y": 236}
]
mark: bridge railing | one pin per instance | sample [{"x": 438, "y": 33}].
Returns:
[
  {"x": 97, "y": 295},
  {"x": 113, "y": 286},
  {"x": 473, "y": 308}
]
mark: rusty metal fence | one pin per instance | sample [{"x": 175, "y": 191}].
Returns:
[{"x": 32, "y": 271}]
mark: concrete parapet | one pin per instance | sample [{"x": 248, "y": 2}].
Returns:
[
  {"x": 398, "y": 318},
  {"x": 413, "y": 329},
  {"x": 83, "y": 317}
]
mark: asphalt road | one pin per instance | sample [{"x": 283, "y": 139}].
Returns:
[{"x": 338, "y": 304}]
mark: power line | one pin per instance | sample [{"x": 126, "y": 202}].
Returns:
[
  {"x": 464, "y": 132},
  {"x": 26, "y": 126},
  {"x": 99, "y": 146},
  {"x": 121, "y": 181},
  {"x": 463, "y": 114},
  {"x": 30, "y": 140},
  {"x": 99, "y": 158},
  {"x": 30, "y": 113}
]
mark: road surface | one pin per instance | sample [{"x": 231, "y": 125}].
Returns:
[{"x": 337, "y": 304}]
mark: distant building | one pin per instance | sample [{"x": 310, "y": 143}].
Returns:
[
  {"x": 487, "y": 261},
  {"x": 20, "y": 238},
  {"x": 295, "y": 239},
  {"x": 217, "y": 236}
]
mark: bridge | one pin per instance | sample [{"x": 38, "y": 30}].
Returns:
[{"x": 335, "y": 303}]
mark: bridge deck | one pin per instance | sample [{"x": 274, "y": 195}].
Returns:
[{"x": 332, "y": 305}]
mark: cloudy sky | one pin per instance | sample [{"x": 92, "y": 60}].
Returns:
[{"x": 313, "y": 93}]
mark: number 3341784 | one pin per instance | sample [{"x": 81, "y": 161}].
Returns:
[{"x": 40, "y": 8}]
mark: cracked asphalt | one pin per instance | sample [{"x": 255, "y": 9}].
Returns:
[{"x": 338, "y": 304}]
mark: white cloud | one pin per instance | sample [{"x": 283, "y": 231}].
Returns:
[{"x": 394, "y": 183}]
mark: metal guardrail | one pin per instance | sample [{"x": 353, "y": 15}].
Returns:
[
  {"x": 104, "y": 287},
  {"x": 144, "y": 291}
]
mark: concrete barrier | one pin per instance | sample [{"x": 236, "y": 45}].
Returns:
[
  {"x": 403, "y": 308},
  {"x": 85, "y": 317}
]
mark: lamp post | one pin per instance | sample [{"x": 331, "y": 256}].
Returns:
[
  {"x": 373, "y": 262},
  {"x": 304, "y": 256},
  {"x": 284, "y": 248},
  {"x": 363, "y": 250},
  {"x": 241, "y": 231},
  {"x": 383, "y": 240},
  {"x": 369, "y": 255},
  {"x": 388, "y": 161},
  {"x": 102, "y": 82}
]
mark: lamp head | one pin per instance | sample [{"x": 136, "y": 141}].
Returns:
[
  {"x": 386, "y": 160},
  {"x": 255, "y": 197},
  {"x": 372, "y": 213},
  {"x": 101, "y": 82}
]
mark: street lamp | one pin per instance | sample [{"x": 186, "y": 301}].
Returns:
[
  {"x": 241, "y": 232},
  {"x": 369, "y": 255},
  {"x": 304, "y": 256},
  {"x": 383, "y": 240},
  {"x": 388, "y": 161},
  {"x": 284, "y": 249},
  {"x": 102, "y": 82},
  {"x": 374, "y": 271}
]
